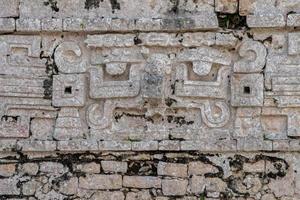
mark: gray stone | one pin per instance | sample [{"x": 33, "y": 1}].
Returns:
[
  {"x": 114, "y": 166},
  {"x": 172, "y": 169},
  {"x": 8, "y": 186},
  {"x": 103, "y": 182},
  {"x": 141, "y": 182},
  {"x": 9, "y": 9},
  {"x": 103, "y": 195},
  {"x": 174, "y": 187}
]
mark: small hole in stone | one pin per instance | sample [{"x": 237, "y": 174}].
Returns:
[
  {"x": 68, "y": 90},
  {"x": 247, "y": 90}
]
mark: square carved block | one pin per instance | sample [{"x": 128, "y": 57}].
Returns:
[
  {"x": 68, "y": 90},
  {"x": 247, "y": 90}
]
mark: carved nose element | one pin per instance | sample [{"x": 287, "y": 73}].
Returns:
[{"x": 154, "y": 77}]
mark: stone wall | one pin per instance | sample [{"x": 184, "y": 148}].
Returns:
[{"x": 150, "y": 99}]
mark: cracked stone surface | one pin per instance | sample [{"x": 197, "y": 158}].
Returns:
[{"x": 150, "y": 99}]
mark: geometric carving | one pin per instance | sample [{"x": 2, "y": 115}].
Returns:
[
  {"x": 249, "y": 62},
  {"x": 69, "y": 90},
  {"x": 202, "y": 60},
  {"x": 68, "y": 124},
  {"x": 247, "y": 90},
  {"x": 14, "y": 126},
  {"x": 100, "y": 88}
]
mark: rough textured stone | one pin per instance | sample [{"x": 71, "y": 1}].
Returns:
[
  {"x": 114, "y": 166},
  {"x": 101, "y": 182},
  {"x": 172, "y": 169},
  {"x": 141, "y": 182},
  {"x": 173, "y": 187},
  {"x": 149, "y": 99}
]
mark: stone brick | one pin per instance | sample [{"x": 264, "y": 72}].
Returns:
[
  {"x": 199, "y": 168},
  {"x": 103, "y": 195},
  {"x": 7, "y": 25},
  {"x": 174, "y": 187},
  {"x": 90, "y": 168},
  {"x": 8, "y": 186},
  {"x": 9, "y": 8},
  {"x": 114, "y": 166},
  {"x": 28, "y": 25},
  {"x": 226, "y": 6},
  {"x": 197, "y": 184},
  {"x": 115, "y": 146},
  {"x": 29, "y": 168},
  {"x": 101, "y": 182},
  {"x": 172, "y": 169},
  {"x": 7, "y": 170},
  {"x": 141, "y": 182},
  {"x": 145, "y": 146},
  {"x": 69, "y": 187},
  {"x": 52, "y": 167},
  {"x": 141, "y": 195}
]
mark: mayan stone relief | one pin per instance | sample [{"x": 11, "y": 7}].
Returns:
[{"x": 150, "y": 99}]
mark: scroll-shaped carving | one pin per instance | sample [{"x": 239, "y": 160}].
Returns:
[
  {"x": 249, "y": 62},
  {"x": 99, "y": 88},
  {"x": 99, "y": 116},
  {"x": 218, "y": 118},
  {"x": 68, "y": 58}
]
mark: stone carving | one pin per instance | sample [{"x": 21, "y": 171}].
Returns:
[
  {"x": 247, "y": 90},
  {"x": 69, "y": 59},
  {"x": 150, "y": 99},
  {"x": 248, "y": 64},
  {"x": 69, "y": 90}
]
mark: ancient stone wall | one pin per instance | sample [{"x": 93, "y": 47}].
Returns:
[{"x": 150, "y": 99}]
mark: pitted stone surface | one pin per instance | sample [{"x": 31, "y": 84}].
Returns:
[{"x": 150, "y": 99}]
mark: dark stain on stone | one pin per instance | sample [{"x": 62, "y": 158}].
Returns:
[
  {"x": 175, "y": 8},
  {"x": 137, "y": 40},
  {"x": 231, "y": 21},
  {"x": 144, "y": 168},
  {"x": 89, "y": 4},
  {"x": 178, "y": 120},
  {"x": 177, "y": 23},
  {"x": 52, "y": 4},
  {"x": 169, "y": 101},
  {"x": 142, "y": 116},
  {"x": 51, "y": 69},
  {"x": 115, "y": 5}
]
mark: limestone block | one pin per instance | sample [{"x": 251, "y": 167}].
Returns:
[
  {"x": 103, "y": 182},
  {"x": 9, "y": 8},
  {"x": 141, "y": 182},
  {"x": 226, "y": 6},
  {"x": 174, "y": 187},
  {"x": 170, "y": 169}
]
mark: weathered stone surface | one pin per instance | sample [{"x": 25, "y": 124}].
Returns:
[
  {"x": 102, "y": 195},
  {"x": 172, "y": 169},
  {"x": 101, "y": 182},
  {"x": 8, "y": 186},
  {"x": 149, "y": 99},
  {"x": 7, "y": 170},
  {"x": 141, "y": 182},
  {"x": 174, "y": 187},
  {"x": 114, "y": 166}
]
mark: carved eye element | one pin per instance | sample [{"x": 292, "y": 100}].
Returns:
[
  {"x": 115, "y": 68},
  {"x": 68, "y": 90},
  {"x": 247, "y": 90}
]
